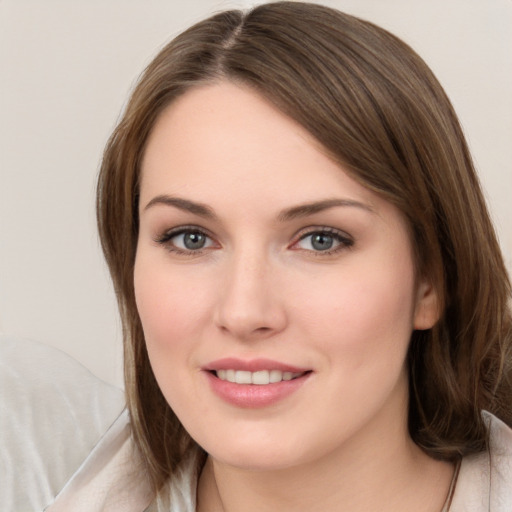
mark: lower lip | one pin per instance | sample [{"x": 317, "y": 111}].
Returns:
[{"x": 252, "y": 396}]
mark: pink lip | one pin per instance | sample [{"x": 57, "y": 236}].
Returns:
[
  {"x": 253, "y": 396},
  {"x": 253, "y": 365}
]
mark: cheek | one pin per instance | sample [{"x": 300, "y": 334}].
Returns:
[
  {"x": 362, "y": 311},
  {"x": 170, "y": 305},
  {"x": 172, "y": 309}
]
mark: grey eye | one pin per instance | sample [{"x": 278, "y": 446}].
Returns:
[
  {"x": 326, "y": 241},
  {"x": 194, "y": 241},
  {"x": 318, "y": 241},
  {"x": 190, "y": 240},
  {"x": 322, "y": 241}
]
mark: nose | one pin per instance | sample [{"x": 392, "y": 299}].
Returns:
[{"x": 250, "y": 305}]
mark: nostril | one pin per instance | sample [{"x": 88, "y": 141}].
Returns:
[
  {"x": 245, "y": 321},
  {"x": 263, "y": 329}
]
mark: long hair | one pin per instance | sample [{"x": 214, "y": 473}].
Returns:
[{"x": 377, "y": 109}]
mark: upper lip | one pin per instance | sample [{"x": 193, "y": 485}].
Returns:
[{"x": 252, "y": 365}]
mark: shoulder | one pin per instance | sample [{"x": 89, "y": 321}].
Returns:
[
  {"x": 485, "y": 479},
  {"x": 500, "y": 462},
  {"x": 111, "y": 479}
]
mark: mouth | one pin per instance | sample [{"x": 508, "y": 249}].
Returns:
[
  {"x": 259, "y": 378},
  {"x": 255, "y": 383}
]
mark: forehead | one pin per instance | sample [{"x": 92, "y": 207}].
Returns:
[{"x": 227, "y": 134}]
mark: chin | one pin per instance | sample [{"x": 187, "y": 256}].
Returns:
[
  {"x": 257, "y": 460},
  {"x": 260, "y": 452}
]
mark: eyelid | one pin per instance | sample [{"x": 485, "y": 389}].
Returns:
[
  {"x": 345, "y": 240},
  {"x": 167, "y": 235}
]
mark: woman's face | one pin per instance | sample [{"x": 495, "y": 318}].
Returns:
[{"x": 260, "y": 260}]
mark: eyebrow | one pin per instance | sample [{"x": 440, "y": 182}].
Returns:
[
  {"x": 183, "y": 204},
  {"x": 292, "y": 213},
  {"x": 307, "y": 209}
]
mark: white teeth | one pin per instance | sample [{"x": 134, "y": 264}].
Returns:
[
  {"x": 276, "y": 376},
  {"x": 260, "y": 378},
  {"x": 243, "y": 377}
]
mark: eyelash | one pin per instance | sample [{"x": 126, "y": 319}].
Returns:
[
  {"x": 167, "y": 236},
  {"x": 344, "y": 241}
]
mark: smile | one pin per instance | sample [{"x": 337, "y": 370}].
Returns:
[
  {"x": 255, "y": 383},
  {"x": 260, "y": 378}
]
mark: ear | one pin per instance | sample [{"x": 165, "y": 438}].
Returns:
[{"x": 426, "y": 313}]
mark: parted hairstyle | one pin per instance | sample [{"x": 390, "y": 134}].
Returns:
[{"x": 377, "y": 109}]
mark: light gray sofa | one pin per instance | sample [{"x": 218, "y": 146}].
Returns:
[{"x": 52, "y": 413}]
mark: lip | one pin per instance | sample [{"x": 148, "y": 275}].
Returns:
[
  {"x": 253, "y": 396},
  {"x": 253, "y": 365}
]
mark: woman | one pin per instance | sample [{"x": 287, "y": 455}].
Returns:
[{"x": 315, "y": 308}]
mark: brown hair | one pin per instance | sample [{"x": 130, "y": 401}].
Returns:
[{"x": 379, "y": 111}]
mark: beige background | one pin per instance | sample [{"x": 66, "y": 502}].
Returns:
[{"x": 66, "y": 68}]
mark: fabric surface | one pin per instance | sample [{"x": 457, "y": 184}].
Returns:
[
  {"x": 485, "y": 479},
  {"x": 52, "y": 413},
  {"x": 111, "y": 480}
]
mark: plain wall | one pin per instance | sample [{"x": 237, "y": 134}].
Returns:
[{"x": 65, "y": 71}]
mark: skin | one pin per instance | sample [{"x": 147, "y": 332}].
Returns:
[{"x": 260, "y": 287}]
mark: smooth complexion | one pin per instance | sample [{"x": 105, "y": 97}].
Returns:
[{"x": 256, "y": 249}]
